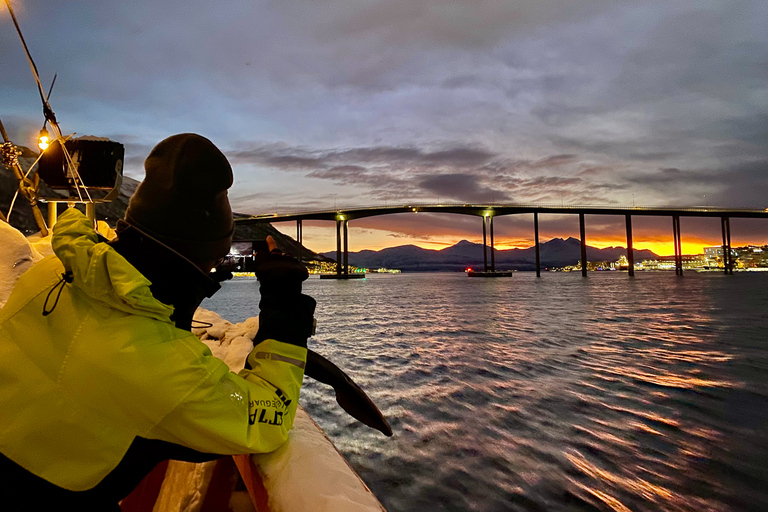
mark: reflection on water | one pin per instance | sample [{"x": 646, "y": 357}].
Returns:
[{"x": 558, "y": 393}]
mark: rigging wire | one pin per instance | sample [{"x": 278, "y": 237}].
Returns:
[{"x": 49, "y": 114}]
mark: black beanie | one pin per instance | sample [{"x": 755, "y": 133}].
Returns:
[{"x": 182, "y": 201}]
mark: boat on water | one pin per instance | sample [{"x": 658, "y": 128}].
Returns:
[
  {"x": 354, "y": 275},
  {"x": 488, "y": 273}
]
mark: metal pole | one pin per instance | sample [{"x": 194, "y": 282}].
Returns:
[
  {"x": 338, "y": 247},
  {"x": 298, "y": 236},
  {"x": 582, "y": 232},
  {"x": 485, "y": 254},
  {"x": 674, "y": 241},
  {"x": 53, "y": 214},
  {"x": 493, "y": 257},
  {"x": 725, "y": 244},
  {"x": 730, "y": 254},
  {"x": 346, "y": 248},
  {"x": 90, "y": 212},
  {"x": 630, "y": 249},
  {"x": 536, "y": 242},
  {"x": 678, "y": 245}
]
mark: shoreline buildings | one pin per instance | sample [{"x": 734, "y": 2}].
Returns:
[{"x": 747, "y": 258}]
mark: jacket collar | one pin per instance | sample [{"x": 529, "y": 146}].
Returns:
[
  {"x": 100, "y": 271},
  {"x": 175, "y": 279}
]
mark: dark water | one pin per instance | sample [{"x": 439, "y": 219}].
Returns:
[{"x": 557, "y": 393}]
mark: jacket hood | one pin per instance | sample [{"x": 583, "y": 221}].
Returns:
[{"x": 100, "y": 271}]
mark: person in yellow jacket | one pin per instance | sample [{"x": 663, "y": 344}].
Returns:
[{"x": 100, "y": 376}]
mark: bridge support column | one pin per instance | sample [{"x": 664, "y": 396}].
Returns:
[
  {"x": 727, "y": 263},
  {"x": 730, "y": 253},
  {"x": 678, "y": 245},
  {"x": 630, "y": 249},
  {"x": 338, "y": 247},
  {"x": 583, "y": 236},
  {"x": 298, "y": 237},
  {"x": 493, "y": 256},
  {"x": 485, "y": 250},
  {"x": 536, "y": 242},
  {"x": 346, "y": 247}
]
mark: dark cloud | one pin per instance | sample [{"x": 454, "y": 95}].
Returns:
[
  {"x": 342, "y": 172},
  {"x": 457, "y": 173},
  {"x": 550, "y": 181},
  {"x": 740, "y": 186},
  {"x": 656, "y": 149},
  {"x": 292, "y": 158},
  {"x": 462, "y": 187},
  {"x": 457, "y": 157},
  {"x": 278, "y": 157},
  {"x": 683, "y": 86},
  {"x": 526, "y": 101},
  {"x": 744, "y": 185},
  {"x": 381, "y": 185},
  {"x": 427, "y": 226},
  {"x": 292, "y": 162},
  {"x": 552, "y": 161}
]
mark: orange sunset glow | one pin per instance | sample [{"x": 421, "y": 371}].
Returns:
[{"x": 321, "y": 238}]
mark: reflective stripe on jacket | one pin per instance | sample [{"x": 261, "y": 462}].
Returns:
[{"x": 107, "y": 365}]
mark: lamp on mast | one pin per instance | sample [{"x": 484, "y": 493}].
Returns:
[{"x": 43, "y": 140}]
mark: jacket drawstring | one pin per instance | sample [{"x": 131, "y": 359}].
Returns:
[{"x": 66, "y": 277}]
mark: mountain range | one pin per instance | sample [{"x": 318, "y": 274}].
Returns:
[{"x": 557, "y": 252}]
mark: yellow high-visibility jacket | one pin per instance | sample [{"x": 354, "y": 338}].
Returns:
[{"x": 108, "y": 365}]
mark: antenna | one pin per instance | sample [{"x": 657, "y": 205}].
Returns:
[{"x": 47, "y": 112}]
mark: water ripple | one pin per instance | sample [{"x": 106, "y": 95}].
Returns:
[{"x": 558, "y": 393}]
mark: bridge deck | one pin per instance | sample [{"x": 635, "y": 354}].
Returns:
[
  {"x": 487, "y": 212},
  {"x": 495, "y": 210}
]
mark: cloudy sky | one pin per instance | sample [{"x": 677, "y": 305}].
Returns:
[{"x": 331, "y": 103}]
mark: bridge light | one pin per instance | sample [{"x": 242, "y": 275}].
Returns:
[{"x": 415, "y": 210}]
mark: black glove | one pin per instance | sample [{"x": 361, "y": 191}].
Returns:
[{"x": 286, "y": 314}]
